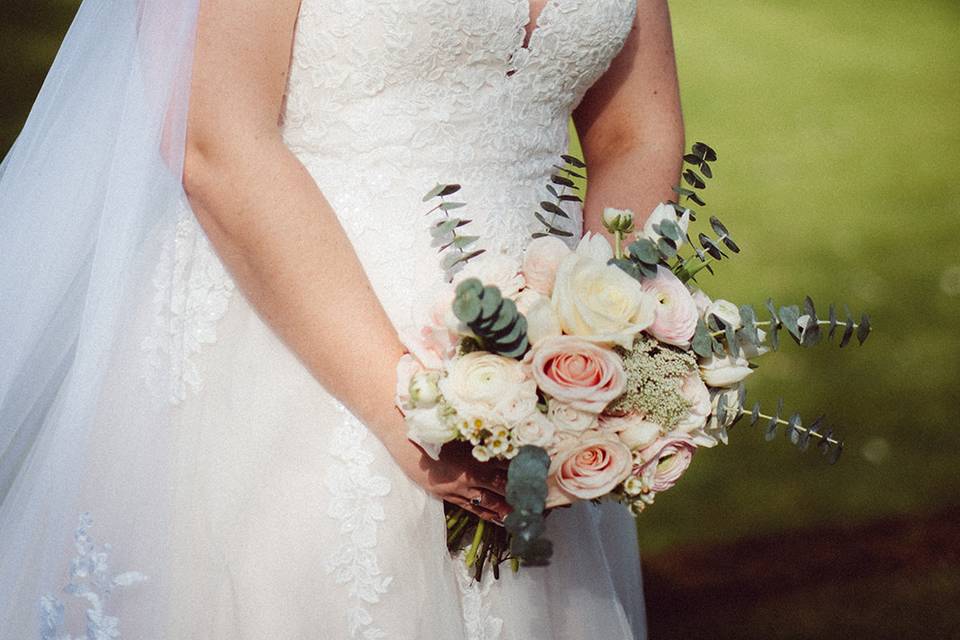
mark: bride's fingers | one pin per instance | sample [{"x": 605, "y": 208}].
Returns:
[{"x": 477, "y": 510}]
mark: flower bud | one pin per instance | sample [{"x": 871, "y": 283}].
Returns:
[
  {"x": 618, "y": 220},
  {"x": 424, "y": 392}
]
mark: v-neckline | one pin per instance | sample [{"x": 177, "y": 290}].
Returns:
[{"x": 531, "y": 21}]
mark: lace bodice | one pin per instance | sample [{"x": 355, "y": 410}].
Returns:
[{"x": 388, "y": 97}]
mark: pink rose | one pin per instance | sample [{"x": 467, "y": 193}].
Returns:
[
  {"x": 578, "y": 373},
  {"x": 676, "y": 318},
  {"x": 540, "y": 262},
  {"x": 662, "y": 463},
  {"x": 589, "y": 467}
]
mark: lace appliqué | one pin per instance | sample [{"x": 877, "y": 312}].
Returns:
[
  {"x": 90, "y": 580},
  {"x": 355, "y": 502},
  {"x": 193, "y": 290},
  {"x": 478, "y": 622}
]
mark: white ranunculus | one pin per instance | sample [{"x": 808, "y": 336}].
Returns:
[
  {"x": 663, "y": 212},
  {"x": 540, "y": 262},
  {"x": 478, "y": 382},
  {"x": 568, "y": 419},
  {"x": 518, "y": 405},
  {"x": 725, "y": 311},
  {"x": 428, "y": 429},
  {"x": 724, "y": 372},
  {"x": 536, "y": 430},
  {"x": 495, "y": 269},
  {"x": 730, "y": 399},
  {"x": 597, "y": 301}
]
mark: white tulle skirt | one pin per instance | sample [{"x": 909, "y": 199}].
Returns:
[{"x": 264, "y": 509}]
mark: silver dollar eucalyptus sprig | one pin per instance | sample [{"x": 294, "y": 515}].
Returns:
[
  {"x": 445, "y": 234},
  {"x": 560, "y": 196}
]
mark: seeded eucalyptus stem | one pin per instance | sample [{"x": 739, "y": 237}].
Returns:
[
  {"x": 829, "y": 439},
  {"x": 767, "y": 323}
]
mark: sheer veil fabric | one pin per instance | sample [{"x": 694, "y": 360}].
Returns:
[
  {"x": 168, "y": 469},
  {"x": 86, "y": 194}
]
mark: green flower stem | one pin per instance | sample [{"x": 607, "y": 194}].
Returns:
[
  {"x": 803, "y": 429},
  {"x": 689, "y": 273},
  {"x": 475, "y": 545},
  {"x": 618, "y": 244},
  {"x": 454, "y": 535},
  {"x": 453, "y": 520}
]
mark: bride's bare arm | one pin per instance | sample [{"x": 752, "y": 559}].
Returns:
[
  {"x": 630, "y": 122},
  {"x": 279, "y": 237}
]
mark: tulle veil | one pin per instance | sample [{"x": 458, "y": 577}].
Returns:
[{"x": 88, "y": 195}]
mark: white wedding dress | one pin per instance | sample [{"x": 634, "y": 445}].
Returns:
[{"x": 286, "y": 518}]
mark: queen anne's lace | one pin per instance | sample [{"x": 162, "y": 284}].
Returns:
[
  {"x": 90, "y": 581},
  {"x": 355, "y": 502}
]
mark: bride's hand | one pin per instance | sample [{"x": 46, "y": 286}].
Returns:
[{"x": 457, "y": 478}]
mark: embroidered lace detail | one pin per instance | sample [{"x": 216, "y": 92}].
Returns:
[
  {"x": 193, "y": 290},
  {"x": 386, "y": 98},
  {"x": 355, "y": 491},
  {"x": 90, "y": 581},
  {"x": 478, "y": 622}
]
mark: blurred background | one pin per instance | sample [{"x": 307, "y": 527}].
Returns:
[{"x": 837, "y": 126}]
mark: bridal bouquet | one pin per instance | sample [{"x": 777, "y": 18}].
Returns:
[{"x": 595, "y": 372}]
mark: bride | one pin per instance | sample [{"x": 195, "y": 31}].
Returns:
[{"x": 212, "y": 251}]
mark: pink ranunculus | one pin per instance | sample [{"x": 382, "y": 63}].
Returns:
[
  {"x": 677, "y": 314},
  {"x": 662, "y": 463},
  {"x": 589, "y": 467},
  {"x": 578, "y": 373},
  {"x": 540, "y": 262}
]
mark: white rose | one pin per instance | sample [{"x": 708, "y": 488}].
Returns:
[
  {"x": 597, "y": 301},
  {"x": 498, "y": 270},
  {"x": 540, "y": 262},
  {"x": 749, "y": 351},
  {"x": 424, "y": 391},
  {"x": 695, "y": 392},
  {"x": 725, "y": 311},
  {"x": 701, "y": 299},
  {"x": 595, "y": 246},
  {"x": 663, "y": 212},
  {"x": 634, "y": 430},
  {"x": 568, "y": 419},
  {"x": 724, "y": 372},
  {"x": 730, "y": 399},
  {"x": 429, "y": 430},
  {"x": 478, "y": 382},
  {"x": 542, "y": 322},
  {"x": 536, "y": 430}
]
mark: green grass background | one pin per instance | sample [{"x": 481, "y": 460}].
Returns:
[{"x": 838, "y": 130}]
